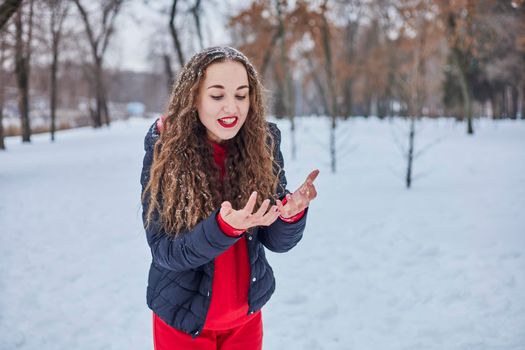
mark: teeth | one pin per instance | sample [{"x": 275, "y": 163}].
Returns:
[{"x": 228, "y": 120}]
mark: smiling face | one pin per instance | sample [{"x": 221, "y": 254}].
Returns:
[{"x": 223, "y": 100}]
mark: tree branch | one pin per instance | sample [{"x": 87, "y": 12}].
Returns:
[
  {"x": 91, "y": 36},
  {"x": 7, "y": 9}
]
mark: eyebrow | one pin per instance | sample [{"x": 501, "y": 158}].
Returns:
[{"x": 222, "y": 87}]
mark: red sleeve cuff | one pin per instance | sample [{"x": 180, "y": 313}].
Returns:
[
  {"x": 227, "y": 229},
  {"x": 294, "y": 218}
]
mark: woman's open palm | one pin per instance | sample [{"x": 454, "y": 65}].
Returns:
[
  {"x": 301, "y": 198},
  {"x": 245, "y": 218}
]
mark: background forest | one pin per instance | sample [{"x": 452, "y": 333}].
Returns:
[{"x": 339, "y": 58}]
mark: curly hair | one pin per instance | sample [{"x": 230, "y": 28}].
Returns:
[{"x": 184, "y": 185}]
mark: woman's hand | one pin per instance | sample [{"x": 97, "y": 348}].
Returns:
[
  {"x": 300, "y": 199},
  {"x": 245, "y": 218}
]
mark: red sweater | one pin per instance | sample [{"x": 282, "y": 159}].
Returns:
[{"x": 231, "y": 279}]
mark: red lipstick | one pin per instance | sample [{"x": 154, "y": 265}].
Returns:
[{"x": 228, "y": 122}]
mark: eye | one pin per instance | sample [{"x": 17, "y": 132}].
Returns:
[
  {"x": 216, "y": 97},
  {"x": 240, "y": 98}
]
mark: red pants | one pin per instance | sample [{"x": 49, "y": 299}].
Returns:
[{"x": 245, "y": 337}]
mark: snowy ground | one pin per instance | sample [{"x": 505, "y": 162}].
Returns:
[{"x": 441, "y": 266}]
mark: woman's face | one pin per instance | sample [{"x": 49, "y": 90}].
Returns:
[{"x": 223, "y": 100}]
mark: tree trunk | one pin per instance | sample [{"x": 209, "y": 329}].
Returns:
[
  {"x": 523, "y": 100},
  {"x": 2, "y": 90},
  {"x": 410, "y": 155},
  {"x": 503, "y": 103},
  {"x": 381, "y": 106},
  {"x": 97, "y": 120},
  {"x": 318, "y": 84},
  {"x": 105, "y": 107},
  {"x": 23, "y": 98},
  {"x": 331, "y": 84},
  {"x": 514, "y": 102},
  {"x": 102, "y": 112},
  {"x": 287, "y": 88},
  {"x": 495, "y": 104},
  {"x": 2, "y": 143},
  {"x": 465, "y": 91},
  {"x": 348, "y": 98},
  {"x": 368, "y": 102},
  {"x": 22, "y": 75},
  {"x": 53, "y": 97},
  {"x": 59, "y": 10},
  {"x": 168, "y": 71},
  {"x": 350, "y": 36}
]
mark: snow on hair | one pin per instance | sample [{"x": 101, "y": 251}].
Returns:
[{"x": 184, "y": 185}]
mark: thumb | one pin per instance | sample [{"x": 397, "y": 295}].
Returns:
[{"x": 226, "y": 208}]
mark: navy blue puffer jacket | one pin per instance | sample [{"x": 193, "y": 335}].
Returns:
[{"x": 181, "y": 271}]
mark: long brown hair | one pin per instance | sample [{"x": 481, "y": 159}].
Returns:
[{"x": 184, "y": 186}]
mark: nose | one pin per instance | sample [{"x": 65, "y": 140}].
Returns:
[{"x": 229, "y": 105}]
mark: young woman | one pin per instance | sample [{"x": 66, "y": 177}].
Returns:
[{"x": 214, "y": 195}]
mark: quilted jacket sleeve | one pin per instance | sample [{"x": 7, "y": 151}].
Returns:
[
  {"x": 189, "y": 249},
  {"x": 281, "y": 236}
]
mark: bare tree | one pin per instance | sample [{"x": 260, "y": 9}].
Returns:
[
  {"x": 196, "y": 12},
  {"x": 59, "y": 10},
  {"x": 7, "y": 9},
  {"x": 175, "y": 35},
  {"x": 331, "y": 81},
  {"x": 352, "y": 11},
  {"x": 3, "y": 48},
  {"x": 286, "y": 80},
  {"x": 458, "y": 18},
  {"x": 416, "y": 98},
  {"x": 22, "y": 67},
  {"x": 99, "y": 43},
  {"x": 412, "y": 76}
]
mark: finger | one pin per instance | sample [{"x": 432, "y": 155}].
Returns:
[
  {"x": 281, "y": 208},
  {"x": 226, "y": 208},
  {"x": 280, "y": 205},
  {"x": 298, "y": 200},
  {"x": 262, "y": 209},
  {"x": 293, "y": 204},
  {"x": 302, "y": 189},
  {"x": 270, "y": 216},
  {"x": 313, "y": 175},
  {"x": 248, "y": 208},
  {"x": 313, "y": 192},
  {"x": 290, "y": 203}
]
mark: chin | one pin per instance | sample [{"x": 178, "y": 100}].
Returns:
[{"x": 228, "y": 135}]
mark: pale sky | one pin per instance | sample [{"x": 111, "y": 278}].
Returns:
[{"x": 140, "y": 28}]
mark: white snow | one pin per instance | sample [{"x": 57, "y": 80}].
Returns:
[{"x": 439, "y": 266}]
